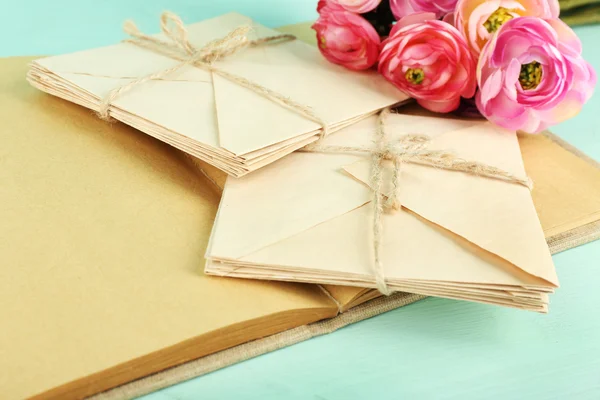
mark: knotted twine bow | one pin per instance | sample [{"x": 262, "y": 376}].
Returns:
[
  {"x": 180, "y": 49},
  {"x": 408, "y": 149}
]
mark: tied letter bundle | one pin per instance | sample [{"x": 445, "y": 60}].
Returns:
[
  {"x": 466, "y": 229},
  {"x": 229, "y": 91}
]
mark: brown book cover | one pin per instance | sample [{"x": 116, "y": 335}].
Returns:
[{"x": 102, "y": 240}]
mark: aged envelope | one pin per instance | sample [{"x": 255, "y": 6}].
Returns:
[
  {"x": 307, "y": 218},
  {"x": 212, "y": 117}
]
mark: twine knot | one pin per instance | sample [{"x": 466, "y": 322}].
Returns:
[
  {"x": 179, "y": 47},
  {"x": 174, "y": 29},
  {"x": 408, "y": 149}
]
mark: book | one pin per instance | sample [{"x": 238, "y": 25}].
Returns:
[
  {"x": 102, "y": 239},
  {"x": 102, "y": 236}
]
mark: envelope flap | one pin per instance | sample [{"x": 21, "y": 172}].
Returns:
[
  {"x": 344, "y": 245},
  {"x": 249, "y": 122},
  {"x": 183, "y": 107},
  {"x": 495, "y": 215},
  {"x": 281, "y": 200},
  {"x": 297, "y": 72}
]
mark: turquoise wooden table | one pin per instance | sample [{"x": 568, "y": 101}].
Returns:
[{"x": 433, "y": 349}]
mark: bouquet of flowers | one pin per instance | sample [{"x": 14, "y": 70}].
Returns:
[{"x": 519, "y": 63}]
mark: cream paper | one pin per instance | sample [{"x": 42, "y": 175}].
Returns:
[
  {"x": 307, "y": 218},
  {"x": 212, "y": 117}
]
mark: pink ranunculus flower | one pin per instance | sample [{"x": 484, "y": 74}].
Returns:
[
  {"x": 402, "y": 8},
  {"x": 357, "y": 6},
  {"x": 330, "y": 4},
  {"x": 346, "y": 38},
  {"x": 531, "y": 75},
  {"x": 477, "y": 20},
  {"x": 430, "y": 61}
]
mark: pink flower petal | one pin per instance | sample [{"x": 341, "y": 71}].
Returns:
[
  {"x": 566, "y": 35},
  {"x": 440, "y": 106},
  {"x": 492, "y": 86},
  {"x": 444, "y": 56},
  {"x": 569, "y": 107},
  {"x": 449, "y": 19},
  {"x": 347, "y": 39},
  {"x": 357, "y": 6},
  {"x": 401, "y": 8},
  {"x": 414, "y": 19}
]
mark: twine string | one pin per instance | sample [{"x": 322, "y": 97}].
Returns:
[
  {"x": 408, "y": 149},
  {"x": 179, "y": 47}
]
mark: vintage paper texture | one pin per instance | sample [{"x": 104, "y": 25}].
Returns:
[
  {"x": 102, "y": 236},
  {"x": 209, "y": 116}
]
